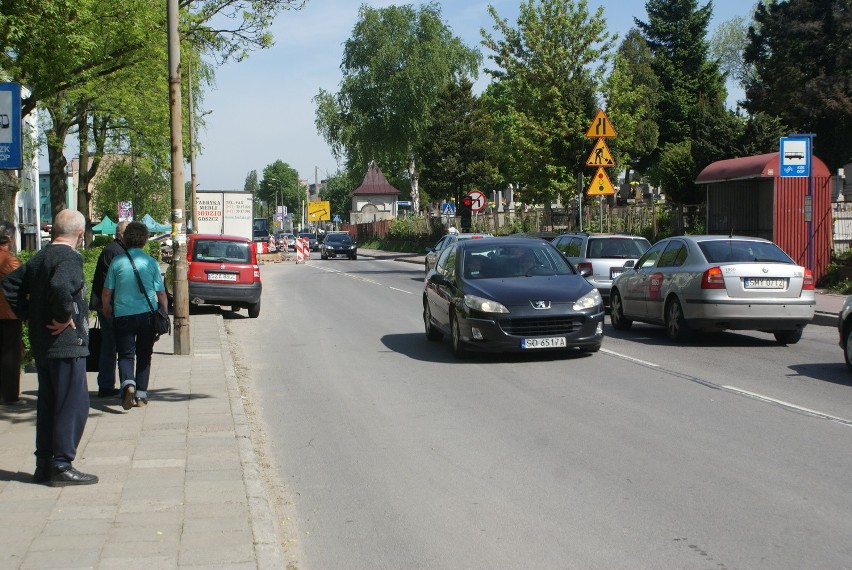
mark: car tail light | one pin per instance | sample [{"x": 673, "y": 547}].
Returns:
[
  {"x": 713, "y": 279},
  {"x": 256, "y": 270},
  {"x": 808, "y": 281},
  {"x": 585, "y": 265}
]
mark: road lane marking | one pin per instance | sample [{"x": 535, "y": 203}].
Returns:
[
  {"x": 358, "y": 278},
  {"x": 789, "y": 405},
  {"x": 630, "y": 358}
]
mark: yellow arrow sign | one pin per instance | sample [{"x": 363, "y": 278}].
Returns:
[
  {"x": 600, "y": 156},
  {"x": 600, "y": 186},
  {"x": 601, "y": 127},
  {"x": 319, "y": 211}
]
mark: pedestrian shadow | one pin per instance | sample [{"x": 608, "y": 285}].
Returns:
[
  {"x": 17, "y": 476},
  {"x": 112, "y": 405}
]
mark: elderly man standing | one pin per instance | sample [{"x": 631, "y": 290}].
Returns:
[
  {"x": 106, "y": 364},
  {"x": 50, "y": 292}
]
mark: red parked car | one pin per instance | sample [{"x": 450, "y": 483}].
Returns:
[{"x": 223, "y": 271}]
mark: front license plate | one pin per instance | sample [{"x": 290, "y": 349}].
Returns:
[
  {"x": 764, "y": 283},
  {"x": 554, "y": 342},
  {"x": 221, "y": 276}
]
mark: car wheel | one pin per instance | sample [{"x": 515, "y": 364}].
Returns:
[
  {"x": 354, "y": 256},
  {"x": 616, "y": 313},
  {"x": 458, "y": 345},
  {"x": 791, "y": 337},
  {"x": 432, "y": 333},
  {"x": 676, "y": 326},
  {"x": 323, "y": 256},
  {"x": 254, "y": 310},
  {"x": 847, "y": 350}
]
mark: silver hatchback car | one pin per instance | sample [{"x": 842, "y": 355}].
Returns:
[
  {"x": 603, "y": 256},
  {"x": 715, "y": 283}
]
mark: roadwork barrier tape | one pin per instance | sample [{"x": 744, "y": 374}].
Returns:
[{"x": 303, "y": 249}]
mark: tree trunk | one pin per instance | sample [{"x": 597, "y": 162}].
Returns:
[
  {"x": 57, "y": 163},
  {"x": 8, "y": 191},
  {"x": 415, "y": 188}
]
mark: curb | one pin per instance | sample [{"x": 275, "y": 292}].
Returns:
[{"x": 264, "y": 529}]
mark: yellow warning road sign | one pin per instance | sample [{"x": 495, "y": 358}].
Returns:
[
  {"x": 600, "y": 186},
  {"x": 319, "y": 211},
  {"x": 600, "y": 156},
  {"x": 601, "y": 127}
]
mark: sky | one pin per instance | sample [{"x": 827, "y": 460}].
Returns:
[{"x": 262, "y": 110}]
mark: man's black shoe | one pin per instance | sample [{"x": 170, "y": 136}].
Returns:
[
  {"x": 70, "y": 476},
  {"x": 108, "y": 392},
  {"x": 41, "y": 475}
]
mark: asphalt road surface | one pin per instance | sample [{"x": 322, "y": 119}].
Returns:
[{"x": 731, "y": 452}]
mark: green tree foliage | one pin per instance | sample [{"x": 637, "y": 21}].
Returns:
[
  {"x": 802, "y": 54},
  {"x": 632, "y": 93},
  {"x": 690, "y": 85},
  {"x": 548, "y": 71},
  {"x": 336, "y": 191},
  {"x": 727, "y": 46},
  {"x": 459, "y": 152},
  {"x": 251, "y": 183},
  {"x": 142, "y": 182},
  {"x": 280, "y": 185},
  {"x": 395, "y": 65}
]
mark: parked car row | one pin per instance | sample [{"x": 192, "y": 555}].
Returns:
[{"x": 488, "y": 296}]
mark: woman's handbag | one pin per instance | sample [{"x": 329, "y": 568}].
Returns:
[
  {"x": 162, "y": 324},
  {"x": 95, "y": 339}
]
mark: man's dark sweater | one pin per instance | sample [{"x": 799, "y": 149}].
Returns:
[
  {"x": 53, "y": 279},
  {"x": 109, "y": 252}
]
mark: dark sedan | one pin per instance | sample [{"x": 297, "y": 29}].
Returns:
[
  {"x": 338, "y": 243},
  {"x": 510, "y": 295}
]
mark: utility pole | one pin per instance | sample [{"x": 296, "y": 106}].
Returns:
[{"x": 181, "y": 291}]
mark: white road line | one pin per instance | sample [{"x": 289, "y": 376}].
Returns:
[
  {"x": 630, "y": 358},
  {"x": 786, "y": 404},
  {"x": 358, "y": 278},
  {"x": 401, "y": 290}
]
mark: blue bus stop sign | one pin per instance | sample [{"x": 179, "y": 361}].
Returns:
[
  {"x": 795, "y": 157},
  {"x": 11, "y": 157}
]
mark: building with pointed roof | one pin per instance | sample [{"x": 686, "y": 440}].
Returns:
[{"x": 375, "y": 199}]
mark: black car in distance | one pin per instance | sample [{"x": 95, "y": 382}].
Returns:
[{"x": 338, "y": 244}]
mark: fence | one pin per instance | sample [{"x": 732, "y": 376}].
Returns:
[{"x": 841, "y": 215}]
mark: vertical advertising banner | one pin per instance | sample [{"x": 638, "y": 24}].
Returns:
[
  {"x": 11, "y": 156},
  {"x": 125, "y": 211}
]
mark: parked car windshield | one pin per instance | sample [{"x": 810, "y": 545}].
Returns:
[
  {"x": 742, "y": 251},
  {"x": 221, "y": 250}
]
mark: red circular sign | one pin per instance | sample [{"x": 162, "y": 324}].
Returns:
[{"x": 479, "y": 201}]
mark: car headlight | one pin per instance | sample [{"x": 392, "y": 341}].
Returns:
[
  {"x": 587, "y": 301},
  {"x": 483, "y": 305}
]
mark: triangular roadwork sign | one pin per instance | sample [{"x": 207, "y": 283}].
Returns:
[
  {"x": 600, "y": 156},
  {"x": 600, "y": 186},
  {"x": 601, "y": 127}
]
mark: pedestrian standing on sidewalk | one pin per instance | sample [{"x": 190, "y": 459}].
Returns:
[
  {"x": 106, "y": 364},
  {"x": 11, "y": 329},
  {"x": 132, "y": 282},
  {"x": 49, "y": 291}
]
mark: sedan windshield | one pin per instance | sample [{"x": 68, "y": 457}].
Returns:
[
  {"x": 742, "y": 251},
  {"x": 338, "y": 238},
  {"x": 500, "y": 261}
]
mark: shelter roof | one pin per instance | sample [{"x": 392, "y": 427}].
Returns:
[
  {"x": 748, "y": 167},
  {"x": 374, "y": 182}
]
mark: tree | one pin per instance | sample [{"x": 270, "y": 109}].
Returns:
[
  {"x": 690, "y": 82},
  {"x": 251, "y": 184},
  {"x": 395, "y": 65},
  {"x": 459, "y": 152},
  {"x": 336, "y": 191},
  {"x": 802, "y": 57},
  {"x": 548, "y": 71},
  {"x": 727, "y": 46},
  {"x": 280, "y": 185},
  {"x": 632, "y": 94},
  {"x": 140, "y": 181}
]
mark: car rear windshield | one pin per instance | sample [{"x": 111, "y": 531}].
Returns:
[
  {"x": 617, "y": 248},
  {"x": 221, "y": 250},
  {"x": 742, "y": 251}
]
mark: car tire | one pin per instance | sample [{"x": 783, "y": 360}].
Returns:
[
  {"x": 791, "y": 337},
  {"x": 590, "y": 349},
  {"x": 847, "y": 350},
  {"x": 432, "y": 332},
  {"x": 616, "y": 313},
  {"x": 459, "y": 350},
  {"x": 676, "y": 327},
  {"x": 254, "y": 310},
  {"x": 354, "y": 257},
  {"x": 323, "y": 256}
]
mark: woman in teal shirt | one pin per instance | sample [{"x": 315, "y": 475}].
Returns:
[{"x": 133, "y": 321}]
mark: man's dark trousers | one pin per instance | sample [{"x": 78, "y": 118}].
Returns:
[{"x": 61, "y": 410}]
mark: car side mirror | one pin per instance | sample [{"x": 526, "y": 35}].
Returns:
[
  {"x": 629, "y": 264},
  {"x": 438, "y": 279},
  {"x": 585, "y": 272},
  {"x": 429, "y": 250}
]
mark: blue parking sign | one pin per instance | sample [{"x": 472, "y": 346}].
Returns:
[
  {"x": 11, "y": 157},
  {"x": 795, "y": 157}
]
